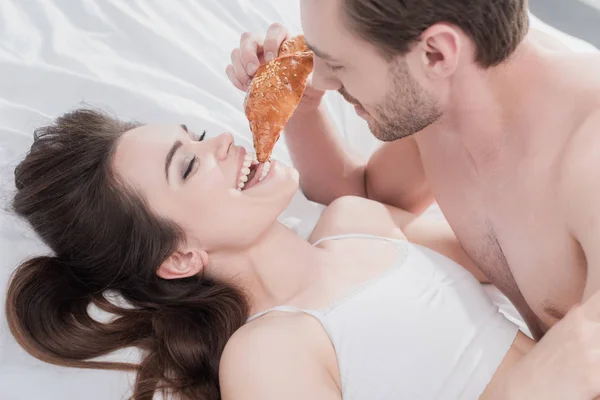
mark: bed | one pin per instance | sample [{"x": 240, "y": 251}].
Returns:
[{"x": 148, "y": 60}]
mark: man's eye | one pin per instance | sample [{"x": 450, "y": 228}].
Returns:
[{"x": 333, "y": 67}]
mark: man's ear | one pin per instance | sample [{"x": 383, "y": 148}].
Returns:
[
  {"x": 439, "y": 50},
  {"x": 182, "y": 264}
]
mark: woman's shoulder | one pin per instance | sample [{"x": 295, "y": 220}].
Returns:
[
  {"x": 357, "y": 215},
  {"x": 275, "y": 349},
  {"x": 275, "y": 327}
]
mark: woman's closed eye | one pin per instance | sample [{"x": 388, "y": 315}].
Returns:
[
  {"x": 190, "y": 167},
  {"x": 194, "y": 161}
]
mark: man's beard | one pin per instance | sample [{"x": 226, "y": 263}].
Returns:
[{"x": 406, "y": 109}]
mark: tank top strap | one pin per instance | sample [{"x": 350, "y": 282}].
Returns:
[
  {"x": 288, "y": 309},
  {"x": 357, "y": 236}
]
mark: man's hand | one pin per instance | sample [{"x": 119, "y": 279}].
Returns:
[
  {"x": 565, "y": 364},
  {"x": 254, "y": 51}
]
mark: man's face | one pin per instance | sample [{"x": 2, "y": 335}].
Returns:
[{"x": 383, "y": 92}]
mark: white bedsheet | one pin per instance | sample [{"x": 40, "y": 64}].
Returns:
[{"x": 150, "y": 60}]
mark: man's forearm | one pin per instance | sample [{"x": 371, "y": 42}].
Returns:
[
  {"x": 327, "y": 169},
  {"x": 395, "y": 176}
]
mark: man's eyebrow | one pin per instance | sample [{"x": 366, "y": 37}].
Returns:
[
  {"x": 169, "y": 158},
  {"x": 319, "y": 53},
  {"x": 184, "y": 127}
]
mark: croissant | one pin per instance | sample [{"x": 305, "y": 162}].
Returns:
[{"x": 275, "y": 92}]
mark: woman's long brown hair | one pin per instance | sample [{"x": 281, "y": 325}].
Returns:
[{"x": 106, "y": 241}]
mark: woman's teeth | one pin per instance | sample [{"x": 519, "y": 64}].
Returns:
[
  {"x": 265, "y": 170},
  {"x": 250, "y": 160}
]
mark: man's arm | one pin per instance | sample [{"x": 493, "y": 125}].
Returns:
[
  {"x": 564, "y": 363},
  {"x": 580, "y": 197},
  {"x": 328, "y": 170},
  {"x": 395, "y": 176}
]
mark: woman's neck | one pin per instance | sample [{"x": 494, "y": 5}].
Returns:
[{"x": 275, "y": 270}]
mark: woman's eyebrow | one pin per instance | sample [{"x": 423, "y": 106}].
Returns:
[{"x": 169, "y": 157}]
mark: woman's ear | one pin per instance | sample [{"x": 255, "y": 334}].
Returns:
[{"x": 183, "y": 264}]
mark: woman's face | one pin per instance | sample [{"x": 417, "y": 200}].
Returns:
[{"x": 195, "y": 184}]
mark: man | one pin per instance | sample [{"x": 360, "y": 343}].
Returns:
[{"x": 500, "y": 124}]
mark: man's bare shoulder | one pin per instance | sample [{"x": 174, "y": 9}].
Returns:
[
  {"x": 575, "y": 78},
  {"x": 581, "y": 69},
  {"x": 584, "y": 143}
]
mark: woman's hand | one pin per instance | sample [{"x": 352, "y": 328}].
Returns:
[{"x": 256, "y": 50}]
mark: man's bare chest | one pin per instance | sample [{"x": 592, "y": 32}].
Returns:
[
  {"x": 509, "y": 225},
  {"x": 535, "y": 264}
]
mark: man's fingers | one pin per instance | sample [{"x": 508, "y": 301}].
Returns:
[
  {"x": 234, "y": 79},
  {"x": 238, "y": 67},
  {"x": 253, "y": 49},
  {"x": 276, "y": 35},
  {"x": 250, "y": 47}
]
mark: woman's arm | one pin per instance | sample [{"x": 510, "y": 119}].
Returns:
[
  {"x": 275, "y": 358},
  {"x": 358, "y": 215}
]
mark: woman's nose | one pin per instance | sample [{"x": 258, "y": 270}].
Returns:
[{"x": 223, "y": 143}]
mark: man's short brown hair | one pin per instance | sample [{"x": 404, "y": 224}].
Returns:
[{"x": 496, "y": 26}]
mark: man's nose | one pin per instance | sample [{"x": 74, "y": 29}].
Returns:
[{"x": 322, "y": 79}]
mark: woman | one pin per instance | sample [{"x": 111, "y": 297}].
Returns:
[{"x": 153, "y": 214}]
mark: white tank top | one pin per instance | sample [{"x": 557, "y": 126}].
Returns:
[{"x": 422, "y": 329}]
